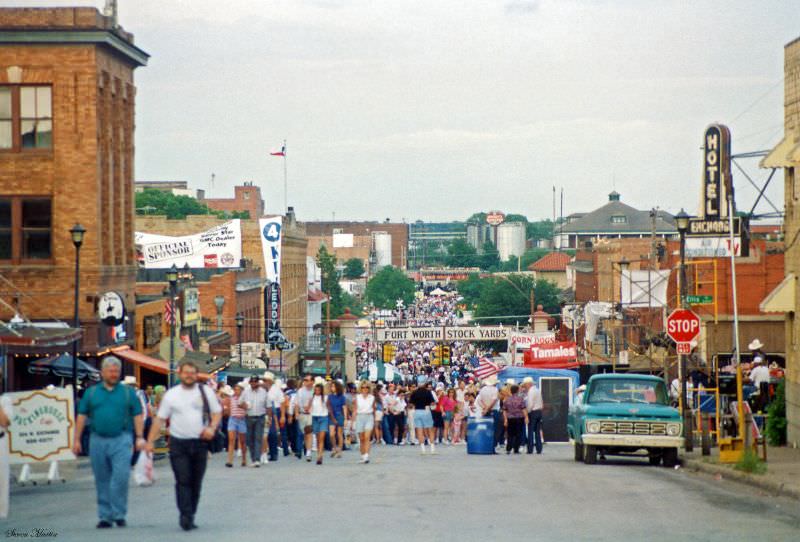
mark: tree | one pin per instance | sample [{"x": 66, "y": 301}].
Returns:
[
  {"x": 461, "y": 254},
  {"x": 507, "y": 299},
  {"x": 387, "y": 286},
  {"x": 330, "y": 281},
  {"x": 158, "y": 202},
  {"x": 542, "y": 229},
  {"x": 490, "y": 257},
  {"x": 354, "y": 268}
]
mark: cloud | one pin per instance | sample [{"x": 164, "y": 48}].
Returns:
[{"x": 521, "y": 7}]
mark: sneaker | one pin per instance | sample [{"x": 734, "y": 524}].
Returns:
[
  {"x": 239, "y": 452},
  {"x": 121, "y": 523},
  {"x": 256, "y": 465},
  {"x": 263, "y": 458},
  {"x": 103, "y": 524},
  {"x": 308, "y": 458},
  {"x": 185, "y": 523}
]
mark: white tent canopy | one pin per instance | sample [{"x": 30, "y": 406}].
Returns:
[{"x": 438, "y": 292}]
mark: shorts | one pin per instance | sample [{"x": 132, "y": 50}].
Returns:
[
  {"x": 365, "y": 422},
  {"x": 378, "y": 415},
  {"x": 339, "y": 419},
  {"x": 237, "y": 425},
  {"x": 304, "y": 420},
  {"x": 319, "y": 424},
  {"x": 448, "y": 416},
  {"x": 438, "y": 420},
  {"x": 423, "y": 419}
]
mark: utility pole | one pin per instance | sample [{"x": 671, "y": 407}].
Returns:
[{"x": 328, "y": 338}]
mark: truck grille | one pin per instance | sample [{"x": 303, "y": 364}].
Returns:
[{"x": 633, "y": 428}]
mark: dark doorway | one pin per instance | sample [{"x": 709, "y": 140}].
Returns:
[{"x": 555, "y": 395}]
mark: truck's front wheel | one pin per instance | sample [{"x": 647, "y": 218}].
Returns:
[
  {"x": 578, "y": 452},
  {"x": 590, "y": 454},
  {"x": 670, "y": 456}
]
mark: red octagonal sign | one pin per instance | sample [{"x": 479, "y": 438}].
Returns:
[{"x": 683, "y": 325}]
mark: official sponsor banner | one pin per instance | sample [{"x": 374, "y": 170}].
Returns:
[
  {"x": 272, "y": 308},
  {"x": 42, "y": 426},
  {"x": 560, "y": 353},
  {"x": 271, "y": 232},
  {"x": 220, "y": 246},
  {"x": 447, "y": 334}
]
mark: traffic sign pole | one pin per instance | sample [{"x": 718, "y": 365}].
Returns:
[{"x": 683, "y": 326}]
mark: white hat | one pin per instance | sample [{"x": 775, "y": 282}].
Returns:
[
  {"x": 268, "y": 376},
  {"x": 490, "y": 380},
  {"x": 527, "y": 380},
  {"x": 755, "y": 345},
  {"x": 239, "y": 384},
  {"x": 227, "y": 390},
  {"x": 319, "y": 380},
  {"x": 510, "y": 382},
  {"x": 131, "y": 380}
]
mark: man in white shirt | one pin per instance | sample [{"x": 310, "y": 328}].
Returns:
[
  {"x": 488, "y": 402},
  {"x": 194, "y": 414},
  {"x": 275, "y": 400},
  {"x": 534, "y": 404},
  {"x": 303, "y": 398},
  {"x": 254, "y": 400}
]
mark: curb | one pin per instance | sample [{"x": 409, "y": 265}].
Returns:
[{"x": 773, "y": 487}]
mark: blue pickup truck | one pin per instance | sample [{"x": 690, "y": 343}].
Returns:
[{"x": 622, "y": 414}]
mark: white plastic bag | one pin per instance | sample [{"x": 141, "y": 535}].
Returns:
[{"x": 143, "y": 473}]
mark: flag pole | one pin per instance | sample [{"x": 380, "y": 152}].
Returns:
[{"x": 285, "y": 182}]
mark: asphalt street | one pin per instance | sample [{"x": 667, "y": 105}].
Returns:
[{"x": 403, "y": 496}]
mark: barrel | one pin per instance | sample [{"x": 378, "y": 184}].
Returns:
[{"x": 480, "y": 435}]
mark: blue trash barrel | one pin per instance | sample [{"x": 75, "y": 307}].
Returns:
[{"x": 480, "y": 435}]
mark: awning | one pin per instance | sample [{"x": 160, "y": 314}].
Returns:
[
  {"x": 785, "y": 154},
  {"x": 782, "y": 298},
  {"x": 142, "y": 360}
]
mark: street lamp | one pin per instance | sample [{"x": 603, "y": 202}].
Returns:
[
  {"x": 77, "y": 232},
  {"x": 682, "y": 223},
  {"x": 172, "y": 278},
  {"x": 239, "y": 326}
]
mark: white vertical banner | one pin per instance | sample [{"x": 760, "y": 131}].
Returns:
[{"x": 271, "y": 232}]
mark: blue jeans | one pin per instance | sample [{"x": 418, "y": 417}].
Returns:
[
  {"x": 255, "y": 434},
  {"x": 111, "y": 464},
  {"x": 284, "y": 433},
  {"x": 391, "y": 423},
  {"x": 272, "y": 436},
  {"x": 387, "y": 435},
  {"x": 534, "y": 431},
  {"x": 499, "y": 430}
]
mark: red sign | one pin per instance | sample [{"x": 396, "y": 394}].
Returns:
[
  {"x": 210, "y": 260},
  {"x": 683, "y": 325},
  {"x": 685, "y": 348},
  {"x": 553, "y": 355},
  {"x": 495, "y": 218}
]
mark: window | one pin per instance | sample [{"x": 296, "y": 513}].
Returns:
[
  {"x": 26, "y": 117},
  {"x": 619, "y": 219},
  {"x": 25, "y": 229}
]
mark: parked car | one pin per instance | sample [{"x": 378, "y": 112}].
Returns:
[{"x": 621, "y": 414}]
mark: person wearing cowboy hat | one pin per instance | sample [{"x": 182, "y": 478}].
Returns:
[
  {"x": 254, "y": 400},
  {"x": 275, "y": 398},
  {"x": 488, "y": 403},
  {"x": 535, "y": 405}
]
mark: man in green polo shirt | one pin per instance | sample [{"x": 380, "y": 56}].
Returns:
[{"x": 112, "y": 409}]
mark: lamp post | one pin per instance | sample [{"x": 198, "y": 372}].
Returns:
[
  {"x": 77, "y": 232},
  {"x": 239, "y": 326},
  {"x": 172, "y": 278},
  {"x": 682, "y": 223}
]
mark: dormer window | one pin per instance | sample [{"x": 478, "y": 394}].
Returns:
[{"x": 619, "y": 219}]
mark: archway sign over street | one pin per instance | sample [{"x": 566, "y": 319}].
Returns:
[{"x": 683, "y": 326}]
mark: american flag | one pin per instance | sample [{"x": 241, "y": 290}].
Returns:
[
  {"x": 486, "y": 368},
  {"x": 169, "y": 314}
]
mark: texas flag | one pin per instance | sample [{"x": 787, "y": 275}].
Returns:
[{"x": 280, "y": 152}]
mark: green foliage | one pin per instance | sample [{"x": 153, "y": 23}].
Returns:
[
  {"x": 330, "y": 281},
  {"x": 157, "y": 202},
  {"x": 477, "y": 218},
  {"x": 387, "y": 286},
  {"x": 490, "y": 258},
  {"x": 506, "y": 299},
  {"x": 776, "y": 417},
  {"x": 531, "y": 255},
  {"x": 751, "y": 463},
  {"x": 354, "y": 268},
  {"x": 542, "y": 229},
  {"x": 461, "y": 254}
]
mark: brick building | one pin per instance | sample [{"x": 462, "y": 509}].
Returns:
[
  {"x": 786, "y": 156},
  {"x": 67, "y": 104},
  {"x": 361, "y": 244},
  {"x": 246, "y": 197}
]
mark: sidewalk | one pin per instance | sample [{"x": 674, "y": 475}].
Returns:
[{"x": 782, "y": 476}]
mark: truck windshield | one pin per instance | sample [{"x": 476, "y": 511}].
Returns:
[{"x": 628, "y": 391}]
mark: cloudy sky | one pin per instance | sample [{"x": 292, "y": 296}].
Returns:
[{"x": 420, "y": 109}]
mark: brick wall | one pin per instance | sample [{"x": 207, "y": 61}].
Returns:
[
  {"x": 246, "y": 198},
  {"x": 88, "y": 173},
  {"x": 399, "y": 233}
]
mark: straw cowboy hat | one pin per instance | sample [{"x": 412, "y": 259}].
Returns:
[
  {"x": 527, "y": 380},
  {"x": 491, "y": 381},
  {"x": 129, "y": 380},
  {"x": 319, "y": 380},
  {"x": 268, "y": 376},
  {"x": 510, "y": 382},
  {"x": 227, "y": 390},
  {"x": 755, "y": 345}
]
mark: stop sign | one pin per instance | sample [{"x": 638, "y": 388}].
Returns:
[{"x": 683, "y": 325}]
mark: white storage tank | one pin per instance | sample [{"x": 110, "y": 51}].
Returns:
[
  {"x": 382, "y": 243},
  {"x": 510, "y": 240}
]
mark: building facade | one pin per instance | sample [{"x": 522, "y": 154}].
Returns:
[
  {"x": 246, "y": 198},
  {"x": 67, "y": 110},
  {"x": 786, "y": 298}
]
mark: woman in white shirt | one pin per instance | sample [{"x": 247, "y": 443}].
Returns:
[
  {"x": 365, "y": 419},
  {"x": 319, "y": 419}
]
